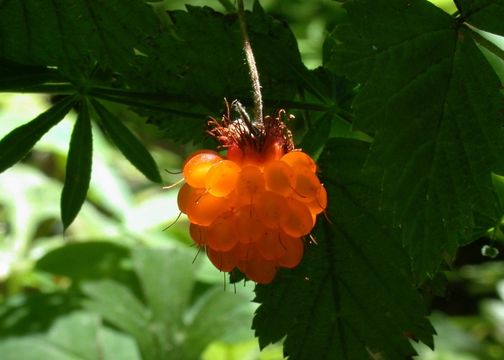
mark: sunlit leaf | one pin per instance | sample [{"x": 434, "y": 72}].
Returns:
[
  {"x": 15, "y": 145},
  {"x": 487, "y": 15},
  {"x": 78, "y": 169},
  {"x": 128, "y": 143}
]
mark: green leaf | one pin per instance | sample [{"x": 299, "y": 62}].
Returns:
[
  {"x": 169, "y": 326},
  {"x": 78, "y": 336},
  {"x": 351, "y": 297},
  {"x": 78, "y": 168},
  {"x": 432, "y": 102},
  {"x": 167, "y": 278},
  {"x": 75, "y": 35},
  {"x": 88, "y": 260},
  {"x": 17, "y": 77},
  {"x": 214, "y": 315},
  {"x": 211, "y": 67},
  {"x": 15, "y": 145},
  {"x": 315, "y": 138},
  {"x": 32, "y": 313},
  {"x": 486, "y": 15},
  {"x": 117, "y": 305},
  {"x": 129, "y": 145}
]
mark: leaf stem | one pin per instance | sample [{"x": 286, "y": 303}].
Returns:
[
  {"x": 144, "y": 105},
  {"x": 254, "y": 74}
]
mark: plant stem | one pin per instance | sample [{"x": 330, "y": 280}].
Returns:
[{"x": 254, "y": 74}]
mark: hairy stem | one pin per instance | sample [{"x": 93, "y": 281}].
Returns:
[{"x": 254, "y": 74}]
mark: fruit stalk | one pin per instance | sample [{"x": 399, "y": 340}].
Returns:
[{"x": 254, "y": 74}]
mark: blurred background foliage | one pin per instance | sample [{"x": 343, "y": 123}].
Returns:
[{"x": 101, "y": 289}]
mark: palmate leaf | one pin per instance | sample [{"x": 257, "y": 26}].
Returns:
[
  {"x": 128, "y": 143},
  {"x": 432, "y": 102},
  {"x": 74, "y": 35},
  {"x": 351, "y": 297},
  {"x": 16, "y": 144},
  {"x": 78, "y": 167}
]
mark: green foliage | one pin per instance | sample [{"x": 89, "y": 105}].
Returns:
[
  {"x": 433, "y": 105},
  {"x": 17, "y": 143},
  {"x": 90, "y": 260},
  {"x": 168, "y": 325},
  {"x": 78, "y": 171},
  {"x": 79, "y": 335},
  {"x": 129, "y": 145},
  {"x": 409, "y": 84},
  {"x": 352, "y": 295},
  {"x": 484, "y": 14}
]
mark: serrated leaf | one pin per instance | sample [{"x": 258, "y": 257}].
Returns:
[
  {"x": 486, "y": 15},
  {"x": 74, "y": 35},
  {"x": 352, "y": 296},
  {"x": 212, "y": 66},
  {"x": 433, "y": 104},
  {"x": 128, "y": 143},
  {"x": 16, "y": 144},
  {"x": 78, "y": 168}
]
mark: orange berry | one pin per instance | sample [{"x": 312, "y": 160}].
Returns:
[
  {"x": 222, "y": 260},
  {"x": 259, "y": 270},
  {"x": 270, "y": 208},
  {"x": 197, "y": 234},
  {"x": 306, "y": 185},
  {"x": 298, "y": 159},
  {"x": 318, "y": 204},
  {"x": 299, "y": 220},
  {"x": 197, "y": 166},
  {"x": 250, "y": 182},
  {"x": 247, "y": 225},
  {"x": 206, "y": 209},
  {"x": 251, "y": 208},
  {"x": 222, "y": 177},
  {"x": 221, "y": 234},
  {"x": 187, "y": 197},
  {"x": 279, "y": 177},
  {"x": 293, "y": 250},
  {"x": 270, "y": 245}
]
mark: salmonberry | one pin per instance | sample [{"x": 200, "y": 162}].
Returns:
[{"x": 252, "y": 207}]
